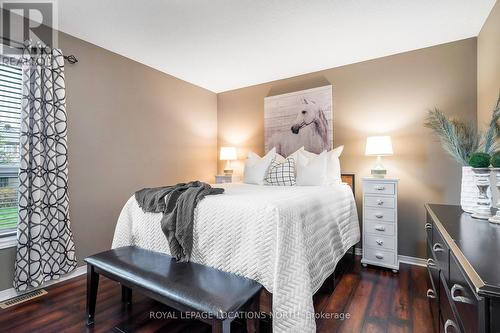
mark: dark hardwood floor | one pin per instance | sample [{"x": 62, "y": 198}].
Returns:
[{"x": 377, "y": 300}]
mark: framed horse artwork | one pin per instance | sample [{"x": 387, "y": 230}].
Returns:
[{"x": 299, "y": 119}]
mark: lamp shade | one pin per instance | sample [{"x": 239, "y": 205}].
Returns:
[
  {"x": 378, "y": 145},
  {"x": 227, "y": 153}
]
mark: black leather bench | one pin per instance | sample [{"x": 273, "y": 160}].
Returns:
[{"x": 187, "y": 287}]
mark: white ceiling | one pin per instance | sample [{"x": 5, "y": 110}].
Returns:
[{"x": 227, "y": 44}]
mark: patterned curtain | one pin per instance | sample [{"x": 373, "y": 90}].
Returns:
[{"x": 45, "y": 249}]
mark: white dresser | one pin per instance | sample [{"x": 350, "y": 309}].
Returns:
[{"x": 380, "y": 222}]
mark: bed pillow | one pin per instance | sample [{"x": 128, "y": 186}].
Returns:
[
  {"x": 312, "y": 171},
  {"x": 281, "y": 173},
  {"x": 256, "y": 167},
  {"x": 333, "y": 164}
]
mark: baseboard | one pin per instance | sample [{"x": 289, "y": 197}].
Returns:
[
  {"x": 402, "y": 259},
  {"x": 11, "y": 292},
  {"x": 412, "y": 261}
]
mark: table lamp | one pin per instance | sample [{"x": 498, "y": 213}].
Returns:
[
  {"x": 228, "y": 154},
  {"x": 378, "y": 146}
]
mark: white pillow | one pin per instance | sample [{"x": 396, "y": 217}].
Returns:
[
  {"x": 295, "y": 155},
  {"x": 333, "y": 164},
  {"x": 312, "y": 171},
  {"x": 256, "y": 167}
]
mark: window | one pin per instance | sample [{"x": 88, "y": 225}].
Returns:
[{"x": 10, "y": 119}]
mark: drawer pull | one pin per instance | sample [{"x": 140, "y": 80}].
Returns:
[
  {"x": 379, "y": 215},
  {"x": 437, "y": 248},
  {"x": 380, "y": 228},
  {"x": 428, "y": 226},
  {"x": 380, "y": 202},
  {"x": 379, "y": 242},
  {"x": 450, "y": 323},
  {"x": 460, "y": 299},
  {"x": 431, "y": 293},
  {"x": 431, "y": 262},
  {"x": 379, "y": 187},
  {"x": 379, "y": 256}
]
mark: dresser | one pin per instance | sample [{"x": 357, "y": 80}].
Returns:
[
  {"x": 380, "y": 222},
  {"x": 463, "y": 271}
]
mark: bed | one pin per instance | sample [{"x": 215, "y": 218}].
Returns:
[{"x": 289, "y": 239}]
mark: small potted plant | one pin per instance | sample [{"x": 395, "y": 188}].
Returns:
[
  {"x": 495, "y": 163},
  {"x": 461, "y": 139},
  {"x": 480, "y": 163}
]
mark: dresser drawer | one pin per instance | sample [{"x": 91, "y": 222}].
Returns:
[
  {"x": 463, "y": 297},
  {"x": 380, "y": 201},
  {"x": 450, "y": 323},
  {"x": 381, "y": 256},
  {"x": 428, "y": 226},
  {"x": 433, "y": 295},
  {"x": 380, "y": 228},
  {"x": 379, "y": 188},
  {"x": 441, "y": 253},
  {"x": 380, "y": 214},
  {"x": 379, "y": 242}
]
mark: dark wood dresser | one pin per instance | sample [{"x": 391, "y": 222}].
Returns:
[{"x": 464, "y": 271}]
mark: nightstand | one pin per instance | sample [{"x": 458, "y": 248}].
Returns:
[
  {"x": 380, "y": 222},
  {"x": 219, "y": 179}
]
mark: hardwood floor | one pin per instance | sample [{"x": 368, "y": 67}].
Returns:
[{"x": 376, "y": 300}]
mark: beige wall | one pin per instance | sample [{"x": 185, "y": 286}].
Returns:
[
  {"x": 390, "y": 95},
  {"x": 488, "y": 66},
  {"x": 129, "y": 126}
]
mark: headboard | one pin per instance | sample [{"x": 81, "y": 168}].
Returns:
[{"x": 348, "y": 178}]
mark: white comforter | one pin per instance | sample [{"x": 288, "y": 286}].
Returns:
[{"x": 289, "y": 239}]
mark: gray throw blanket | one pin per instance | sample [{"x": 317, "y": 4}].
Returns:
[{"x": 177, "y": 203}]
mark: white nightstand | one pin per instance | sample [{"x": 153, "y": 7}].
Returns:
[
  {"x": 219, "y": 179},
  {"x": 380, "y": 222}
]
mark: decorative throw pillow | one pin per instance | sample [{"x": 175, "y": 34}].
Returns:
[
  {"x": 281, "y": 173},
  {"x": 333, "y": 164},
  {"x": 256, "y": 167},
  {"x": 312, "y": 171}
]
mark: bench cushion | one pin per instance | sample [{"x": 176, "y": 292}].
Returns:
[{"x": 190, "y": 284}]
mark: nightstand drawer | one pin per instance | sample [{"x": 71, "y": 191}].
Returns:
[
  {"x": 379, "y": 242},
  {"x": 380, "y": 214},
  {"x": 379, "y": 188},
  {"x": 379, "y": 201},
  {"x": 381, "y": 256},
  {"x": 379, "y": 228}
]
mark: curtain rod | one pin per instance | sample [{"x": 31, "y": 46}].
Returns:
[{"x": 7, "y": 41}]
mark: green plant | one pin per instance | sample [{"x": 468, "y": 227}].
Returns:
[
  {"x": 461, "y": 139},
  {"x": 495, "y": 160},
  {"x": 480, "y": 160}
]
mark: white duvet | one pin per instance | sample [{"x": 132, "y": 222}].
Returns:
[{"x": 289, "y": 239}]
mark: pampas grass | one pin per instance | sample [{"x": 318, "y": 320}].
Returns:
[{"x": 461, "y": 139}]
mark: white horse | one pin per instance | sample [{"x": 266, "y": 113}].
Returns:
[{"x": 309, "y": 130}]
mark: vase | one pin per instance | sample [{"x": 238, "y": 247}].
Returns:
[
  {"x": 469, "y": 191},
  {"x": 496, "y": 218},
  {"x": 483, "y": 203}
]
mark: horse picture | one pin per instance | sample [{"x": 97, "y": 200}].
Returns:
[{"x": 301, "y": 119}]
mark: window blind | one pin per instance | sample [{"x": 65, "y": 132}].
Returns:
[{"x": 10, "y": 121}]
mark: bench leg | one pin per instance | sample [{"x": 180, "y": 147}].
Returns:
[
  {"x": 221, "y": 326},
  {"x": 253, "y": 322},
  {"x": 92, "y": 284},
  {"x": 126, "y": 295}
]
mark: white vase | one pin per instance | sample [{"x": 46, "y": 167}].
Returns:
[
  {"x": 483, "y": 206},
  {"x": 469, "y": 190}
]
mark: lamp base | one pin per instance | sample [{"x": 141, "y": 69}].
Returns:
[
  {"x": 378, "y": 173},
  {"x": 378, "y": 169},
  {"x": 228, "y": 172}
]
